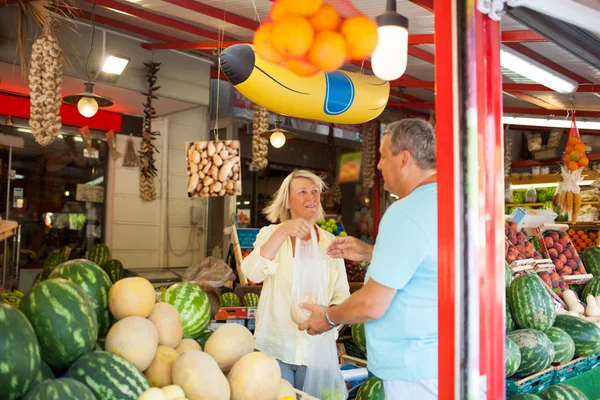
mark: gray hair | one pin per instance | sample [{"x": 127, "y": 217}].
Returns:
[{"x": 415, "y": 135}]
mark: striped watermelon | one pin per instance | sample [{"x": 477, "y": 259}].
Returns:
[
  {"x": 60, "y": 389},
  {"x": 193, "y": 306},
  {"x": 564, "y": 346},
  {"x": 359, "y": 336},
  {"x": 19, "y": 353},
  {"x": 563, "y": 392},
  {"x": 94, "y": 282},
  {"x": 525, "y": 396},
  {"x": 203, "y": 338},
  {"x": 38, "y": 278},
  {"x": 530, "y": 303},
  {"x": 44, "y": 372},
  {"x": 115, "y": 270},
  {"x": 537, "y": 351},
  {"x": 99, "y": 254},
  {"x": 585, "y": 334},
  {"x": 52, "y": 261},
  {"x": 250, "y": 300},
  {"x": 507, "y": 274},
  {"x": 63, "y": 319},
  {"x": 109, "y": 376},
  {"x": 577, "y": 289},
  {"x": 371, "y": 389},
  {"x": 230, "y": 300},
  {"x": 510, "y": 322},
  {"x": 591, "y": 260},
  {"x": 512, "y": 357},
  {"x": 592, "y": 287}
]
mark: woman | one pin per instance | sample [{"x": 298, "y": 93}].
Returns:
[{"x": 297, "y": 206}]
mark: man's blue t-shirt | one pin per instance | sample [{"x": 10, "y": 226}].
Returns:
[{"x": 403, "y": 345}]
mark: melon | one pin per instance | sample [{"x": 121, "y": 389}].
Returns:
[
  {"x": 60, "y": 389},
  {"x": 285, "y": 390},
  {"x": 167, "y": 320},
  {"x": 131, "y": 296},
  {"x": 200, "y": 377},
  {"x": 299, "y": 314},
  {"x": 159, "y": 371},
  {"x": 135, "y": 339},
  {"x": 187, "y": 345},
  {"x": 153, "y": 394},
  {"x": 228, "y": 344},
  {"x": 173, "y": 392},
  {"x": 255, "y": 376}
]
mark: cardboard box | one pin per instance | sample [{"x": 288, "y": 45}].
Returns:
[{"x": 527, "y": 218}]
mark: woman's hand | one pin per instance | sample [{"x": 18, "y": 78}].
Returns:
[{"x": 298, "y": 227}]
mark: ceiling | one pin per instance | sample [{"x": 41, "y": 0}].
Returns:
[{"x": 179, "y": 21}]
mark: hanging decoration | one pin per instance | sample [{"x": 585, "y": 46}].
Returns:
[
  {"x": 148, "y": 170},
  {"x": 87, "y": 138},
  {"x": 111, "y": 139},
  {"x": 369, "y": 154},
  {"x": 130, "y": 159},
  {"x": 213, "y": 168},
  {"x": 260, "y": 124},
  {"x": 45, "y": 82}
]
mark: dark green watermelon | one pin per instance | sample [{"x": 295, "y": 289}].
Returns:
[
  {"x": 564, "y": 346},
  {"x": 563, "y": 392},
  {"x": 507, "y": 274},
  {"x": 371, "y": 389},
  {"x": 592, "y": 287},
  {"x": 60, "y": 389},
  {"x": 512, "y": 357},
  {"x": 38, "y": 278},
  {"x": 44, "y": 373},
  {"x": 577, "y": 289},
  {"x": 510, "y": 322},
  {"x": 52, "y": 261},
  {"x": 537, "y": 351},
  {"x": 359, "y": 336},
  {"x": 230, "y": 299},
  {"x": 530, "y": 303},
  {"x": 94, "y": 282},
  {"x": 591, "y": 260},
  {"x": 203, "y": 338},
  {"x": 585, "y": 334},
  {"x": 115, "y": 270},
  {"x": 99, "y": 254},
  {"x": 19, "y": 353}
]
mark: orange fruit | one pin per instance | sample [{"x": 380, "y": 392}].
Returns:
[
  {"x": 580, "y": 147},
  {"x": 573, "y": 140},
  {"x": 583, "y": 161},
  {"x": 328, "y": 51},
  {"x": 305, "y": 8},
  {"x": 264, "y": 46},
  {"x": 566, "y": 158},
  {"x": 575, "y": 155},
  {"x": 301, "y": 67},
  {"x": 292, "y": 36},
  {"x": 569, "y": 149},
  {"x": 278, "y": 11},
  {"x": 326, "y": 19},
  {"x": 573, "y": 165},
  {"x": 361, "y": 36}
]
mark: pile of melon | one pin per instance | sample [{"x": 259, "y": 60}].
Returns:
[{"x": 151, "y": 336}]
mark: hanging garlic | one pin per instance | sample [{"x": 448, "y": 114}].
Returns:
[
  {"x": 369, "y": 154},
  {"x": 260, "y": 123}
]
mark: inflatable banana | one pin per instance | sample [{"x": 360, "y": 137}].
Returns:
[{"x": 338, "y": 97}]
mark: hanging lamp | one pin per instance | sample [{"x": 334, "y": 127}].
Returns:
[
  {"x": 278, "y": 136},
  {"x": 390, "y": 57}
]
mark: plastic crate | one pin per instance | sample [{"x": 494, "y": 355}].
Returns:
[
  {"x": 569, "y": 370},
  {"x": 592, "y": 362},
  {"x": 533, "y": 384}
]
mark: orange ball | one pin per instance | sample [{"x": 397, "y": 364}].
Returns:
[
  {"x": 305, "y": 8},
  {"x": 575, "y": 155},
  {"x": 573, "y": 165},
  {"x": 569, "y": 148},
  {"x": 573, "y": 140},
  {"x": 292, "y": 36},
  {"x": 328, "y": 51},
  {"x": 361, "y": 36},
  {"x": 278, "y": 10},
  {"x": 580, "y": 147},
  {"x": 583, "y": 161},
  {"x": 264, "y": 46},
  {"x": 326, "y": 19},
  {"x": 301, "y": 68}
]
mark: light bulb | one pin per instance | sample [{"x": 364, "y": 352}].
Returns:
[
  {"x": 391, "y": 54},
  {"x": 87, "y": 106},
  {"x": 277, "y": 139}
]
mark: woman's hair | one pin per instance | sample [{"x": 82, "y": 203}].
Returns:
[{"x": 278, "y": 208}]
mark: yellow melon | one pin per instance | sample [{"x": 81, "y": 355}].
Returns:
[
  {"x": 286, "y": 390},
  {"x": 159, "y": 371},
  {"x": 187, "y": 345},
  {"x": 255, "y": 376},
  {"x": 198, "y": 374},
  {"x": 131, "y": 296},
  {"x": 167, "y": 320},
  {"x": 135, "y": 339},
  {"x": 228, "y": 344},
  {"x": 173, "y": 392},
  {"x": 153, "y": 394}
]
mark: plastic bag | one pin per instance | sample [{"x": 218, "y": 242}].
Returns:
[
  {"x": 212, "y": 271},
  {"x": 324, "y": 378}
]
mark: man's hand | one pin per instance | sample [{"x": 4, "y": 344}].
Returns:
[
  {"x": 350, "y": 248},
  {"x": 317, "y": 323}
]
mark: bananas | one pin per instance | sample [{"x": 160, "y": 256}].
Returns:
[{"x": 13, "y": 298}]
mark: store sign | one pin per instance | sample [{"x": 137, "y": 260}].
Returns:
[
  {"x": 350, "y": 167},
  {"x": 89, "y": 193},
  {"x": 18, "y": 197}
]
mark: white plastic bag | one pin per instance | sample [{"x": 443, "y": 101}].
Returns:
[{"x": 324, "y": 378}]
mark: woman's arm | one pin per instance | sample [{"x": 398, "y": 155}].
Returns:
[
  {"x": 341, "y": 289},
  {"x": 256, "y": 267}
]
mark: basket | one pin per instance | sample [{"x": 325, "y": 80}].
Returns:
[
  {"x": 592, "y": 362},
  {"x": 569, "y": 370},
  {"x": 533, "y": 384}
]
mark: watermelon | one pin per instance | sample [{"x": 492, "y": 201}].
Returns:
[
  {"x": 52, "y": 261},
  {"x": 109, "y": 376},
  {"x": 193, "y": 306},
  {"x": 592, "y": 287},
  {"x": 585, "y": 334},
  {"x": 359, "y": 336},
  {"x": 525, "y": 396},
  {"x": 530, "y": 303},
  {"x": 38, "y": 278},
  {"x": 19, "y": 353},
  {"x": 230, "y": 300},
  {"x": 537, "y": 351},
  {"x": 564, "y": 346},
  {"x": 94, "y": 282},
  {"x": 63, "y": 319},
  {"x": 371, "y": 389},
  {"x": 203, "y": 338},
  {"x": 100, "y": 343},
  {"x": 510, "y": 321},
  {"x": 512, "y": 357},
  {"x": 60, "y": 389},
  {"x": 250, "y": 300},
  {"x": 591, "y": 260},
  {"x": 577, "y": 289},
  {"x": 44, "y": 373},
  {"x": 563, "y": 392},
  {"x": 115, "y": 270},
  {"x": 99, "y": 254},
  {"x": 507, "y": 274}
]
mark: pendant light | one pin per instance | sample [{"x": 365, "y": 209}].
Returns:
[
  {"x": 278, "y": 136},
  {"x": 87, "y": 102},
  {"x": 391, "y": 54}
]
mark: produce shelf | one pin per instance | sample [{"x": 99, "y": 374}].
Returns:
[{"x": 545, "y": 178}]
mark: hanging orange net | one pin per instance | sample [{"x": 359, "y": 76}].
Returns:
[{"x": 309, "y": 36}]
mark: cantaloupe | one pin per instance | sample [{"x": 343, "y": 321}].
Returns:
[
  {"x": 159, "y": 371},
  {"x": 173, "y": 392},
  {"x": 286, "y": 390},
  {"x": 228, "y": 344},
  {"x": 135, "y": 339},
  {"x": 153, "y": 394},
  {"x": 131, "y": 296},
  {"x": 167, "y": 320},
  {"x": 187, "y": 345},
  {"x": 300, "y": 315},
  {"x": 198, "y": 374},
  {"x": 255, "y": 376}
]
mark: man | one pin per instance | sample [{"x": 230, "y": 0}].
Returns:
[{"x": 399, "y": 299}]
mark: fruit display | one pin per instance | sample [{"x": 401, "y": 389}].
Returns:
[
  {"x": 333, "y": 227},
  {"x": 530, "y": 302},
  {"x": 371, "y": 389},
  {"x": 359, "y": 337},
  {"x": 355, "y": 271},
  {"x": 250, "y": 300},
  {"x": 64, "y": 388},
  {"x": 563, "y": 254},
  {"x": 517, "y": 246},
  {"x": 220, "y": 347},
  {"x": 512, "y": 357},
  {"x": 591, "y": 259},
  {"x": 583, "y": 240},
  {"x": 564, "y": 346},
  {"x": 586, "y": 335},
  {"x": 537, "y": 351},
  {"x": 99, "y": 254},
  {"x": 563, "y": 392},
  {"x": 230, "y": 299},
  {"x": 192, "y": 304}
]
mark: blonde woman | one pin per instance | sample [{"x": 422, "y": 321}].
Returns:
[{"x": 297, "y": 208}]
